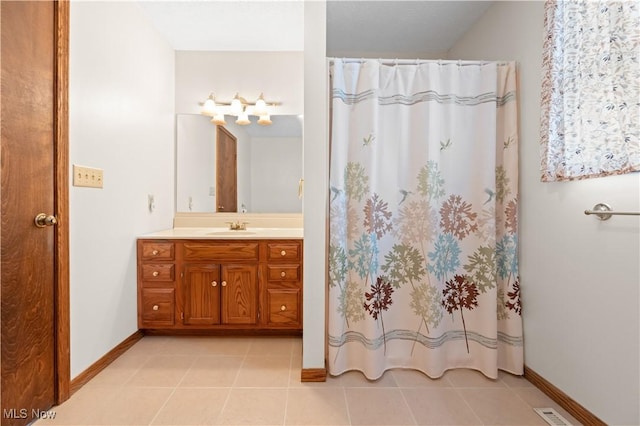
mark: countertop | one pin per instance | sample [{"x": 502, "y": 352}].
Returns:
[{"x": 225, "y": 234}]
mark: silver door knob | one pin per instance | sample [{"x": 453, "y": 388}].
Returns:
[
  {"x": 224, "y": 283},
  {"x": 214, "y": 283},
  {"x": 43, "y": 219}
]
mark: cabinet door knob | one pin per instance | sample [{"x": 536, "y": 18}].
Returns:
[
  {"x": 224, "y": 283},
  {"x": 156, "y": 307},
  {"x": 283, "y": 274},
  {"x": 214, "y": 283},
  {"x": 283, "y": 253},
  {"x": 155, "y": 252},
  {"x": 156, "y": 273},
  {"x": 283, "y": 307}
]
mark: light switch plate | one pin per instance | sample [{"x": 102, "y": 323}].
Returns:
[{"x": 87, "y": 176}]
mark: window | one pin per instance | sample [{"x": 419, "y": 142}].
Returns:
[{"x": 590, "y": 91}]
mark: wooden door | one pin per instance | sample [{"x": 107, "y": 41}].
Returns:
[
  {"x": 239, "y": 294},
  {"x": 34, "y": 260},
  {"x": 226, "y": 171},
  {"x": 201, "y": 300}
]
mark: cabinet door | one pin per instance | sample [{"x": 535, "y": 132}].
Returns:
[
  {"x": 201, "y": 302},
  {"x": 239, "y": 294}
]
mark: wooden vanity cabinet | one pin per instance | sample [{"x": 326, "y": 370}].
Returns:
[
  {"x": 220, "y": 285},
  {"x": 156, "y": 284},
  {"x": 283, "y": 288}
]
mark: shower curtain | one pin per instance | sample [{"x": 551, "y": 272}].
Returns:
[{"x": 423, "y": 266}]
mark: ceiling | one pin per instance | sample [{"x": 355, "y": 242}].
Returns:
[
  {"x": 390, "y": 29},
  {"x": 404, "y": 28}
]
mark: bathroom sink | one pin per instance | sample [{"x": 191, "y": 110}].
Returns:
[{"x": 239, "y": 232}]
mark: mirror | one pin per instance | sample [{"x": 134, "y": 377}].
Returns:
[{"x": 268, "y": 164}]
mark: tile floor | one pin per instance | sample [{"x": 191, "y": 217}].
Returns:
[{"x": 256, "y": 381}]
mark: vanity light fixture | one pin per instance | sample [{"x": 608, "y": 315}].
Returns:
[{"x": 239, "y": 107}]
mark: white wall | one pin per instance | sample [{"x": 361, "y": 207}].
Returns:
[
  {"x": 276, "y": 167},
  {"x": 279, "y": 75},
  {"x": 121, "y": 119},
  {"x": 196, "y": 170},
  {"x": 316, "y": 176},
  {"x": 580, "y": 276}
]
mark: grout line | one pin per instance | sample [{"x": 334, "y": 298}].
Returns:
[
  {"x": 404, "y": 398},
  {"x": 346, "y": 401},
  {"x": 286, "y": 404},
  {"x": 163, "y": 405},
  {"x": 457, "y": 391}
]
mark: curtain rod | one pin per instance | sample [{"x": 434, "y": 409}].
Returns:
[{"x": 416, "y": 61}]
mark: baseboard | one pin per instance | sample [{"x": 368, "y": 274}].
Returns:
[
  {"x": 81, "y": 379},
  {"x": 313, "y": 375},
  {"x": 562, "y": 399}
]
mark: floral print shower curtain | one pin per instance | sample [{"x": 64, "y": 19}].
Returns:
[{"x": 423, "y": 264}]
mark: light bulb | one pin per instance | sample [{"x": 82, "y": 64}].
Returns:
[
  {"x": 261, "y": 107},
  {"x": 243, "y": 119},
  {"x": 236, "y": 105},
  {"x": 265, "y": 120},
  {"x": 218, "y": 120},
  {"x": 209, "y": 107}
]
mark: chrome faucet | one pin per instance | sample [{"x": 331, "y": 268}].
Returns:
[{"x": 237, "y": 226}]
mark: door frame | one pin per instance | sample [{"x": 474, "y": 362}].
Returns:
[{"x": 62, "y": 329}]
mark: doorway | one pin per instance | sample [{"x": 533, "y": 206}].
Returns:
[{"x": 226, "y": 171}]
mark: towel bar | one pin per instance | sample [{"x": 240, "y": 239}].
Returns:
[{"x": 604, "y": 212}]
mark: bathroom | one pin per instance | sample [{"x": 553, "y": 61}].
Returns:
[{"x": 569, "y": 263}]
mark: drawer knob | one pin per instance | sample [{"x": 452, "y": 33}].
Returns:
[
  {"x": 283, "y": 274},
  {"x": 283, "y": 307},
  {"x": 214, "y": 283},
  {"x": 155, "y": 252},
  {"x": 156, "y": 273},
  {"x": 224, "y": 283},
  {"x": 156, "y": 307},
  {"x": 283, "y": 253}
]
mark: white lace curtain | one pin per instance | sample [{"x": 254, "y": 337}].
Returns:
[{"x": 590, "y": 92}]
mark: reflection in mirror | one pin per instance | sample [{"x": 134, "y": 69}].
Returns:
[{"x": 269, "y": 164}]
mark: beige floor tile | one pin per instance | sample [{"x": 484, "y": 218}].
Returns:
[
  {"x": 467, "y": 378},
  {"x": 439, "y": 407},
  {"x": 162, "y": 371},
  {"x": 131, "y": 406},
  {"x": 500, "y": 407},
  {"x": 78, "y": 409},
  {"x": 513, "y": 381},
  {"x": 119, "y": 371},
  {"x": 378, "y": 406},
  {"x": 537, "y": 399},
  {"x": 192, "y": 406},
  {"x": 254, "y": 407},
  {"x": 417, "y": 379},
  {"x": 355, "y": 379},
  {"x": 272, "y": 346},
  {"x": 270, "y": 371},
  {"x": 208, "y": 345},
  {"x": 149, "y": 345},
  {"x": 318, "y": 406},
  {"x": 212, "y": 371}
]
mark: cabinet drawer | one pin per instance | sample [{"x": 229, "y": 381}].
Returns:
[
  {"x": 153, "y": 250},
  {"x": 157, "y": 307},
  {"x": 284, "y": 307},
  {"x": 283, "y": 272},
  {"x": 283, "y": 251},
  {"x": 221, "y": 251},
  {"x": 158, "y": 272}
]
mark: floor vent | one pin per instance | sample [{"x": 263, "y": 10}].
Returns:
[{"x": 552, "y": 417}]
